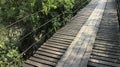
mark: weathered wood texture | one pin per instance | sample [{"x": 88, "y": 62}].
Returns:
[
  {"x": 51, "y": 51},
  {"x": 75, "y": 45},
  {"x": 80, "y": 49},
  {"x": 106, "y": 50}
]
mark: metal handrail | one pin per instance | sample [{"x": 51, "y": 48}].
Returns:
[{"x": 42, "y": 26}]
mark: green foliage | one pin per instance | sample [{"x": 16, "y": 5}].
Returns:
[
  {"x": 14, "y": 10},
  {"x": 8, "y": 50},
  {"x": 54, "y": 4}
]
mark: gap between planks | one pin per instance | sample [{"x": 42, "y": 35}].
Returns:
[{"x": 85, "y": 38}]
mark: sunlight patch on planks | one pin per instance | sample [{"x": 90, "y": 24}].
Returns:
[{"x": 79, "y": 51}]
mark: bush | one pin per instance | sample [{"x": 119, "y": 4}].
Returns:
[{"x": 33, "y": 13}]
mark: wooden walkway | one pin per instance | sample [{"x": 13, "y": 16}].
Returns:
[
  {"x": 76, "y": 44},
  {"x": 106, "y": 50}
]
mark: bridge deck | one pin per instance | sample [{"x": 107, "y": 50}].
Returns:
[
  {"x": 106, "y": 49},
  {"x": 76, "y": 44}
]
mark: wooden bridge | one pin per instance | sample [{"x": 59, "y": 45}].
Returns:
[{"x": 91, "y": 39}]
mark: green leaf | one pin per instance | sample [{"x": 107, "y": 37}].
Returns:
[{"x": 3, "y": 1}]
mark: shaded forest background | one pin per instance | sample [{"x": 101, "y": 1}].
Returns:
[{"x": 25, "y": 22}]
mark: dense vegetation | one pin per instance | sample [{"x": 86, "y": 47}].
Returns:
[{"x": 21, "y": 21}]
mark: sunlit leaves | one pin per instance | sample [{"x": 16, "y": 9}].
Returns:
[
  {"x": 56, "y": 24},
  {"x": 48, "y": 5},
  {"x": 14, "y": 10},
  {"x": 2, "y": 1},
  {"x": 53, "y": 4}
]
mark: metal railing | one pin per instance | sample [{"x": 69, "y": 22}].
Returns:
[{"x": 34, "y": 31}]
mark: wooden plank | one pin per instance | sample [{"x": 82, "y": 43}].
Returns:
[
  {"x": 50, "y": 51},
  {"x": 107, "y": 39},
  {"x": 105, "y": 42},
  {"x": 106, "y": 52},
  {"x": 69, "y": 30},
  {"x": 58, "y": 41},
  {"x": 52, "y": 48},
  {"x": 83, "y": 50},
  {"x": 61, "y": 39},
  {"x": 106, "y": 31},
  {"x": 102, "y": 26},
  {"x": 46, "y": 58},
  {"x": 27, "y": 65},
  {"x": 36, "y": 63},
  {"x": 70, "y": 27},
  {"x": 59, "y": 33},
  {"x": 94, "y": 64},
  {"x": 59, "y": 44},
  {"x": 104, "y": 59},
  {"x": 107, "y": 24},
  {"x": 110, "y": 38},
  {"x": 64, "y": 36},
  {"x": 80, "y": 54},
  {"x": 48, "y": 54},
  {"x": 42, "y": 61},
  {"x": 88, "y": 53},
  {"x": 108, "y": 27},
  {"x": 105, "y": 49},
  {"x": 113, "y": 46},
  {"x": 109, "y": 47},
  {"x": 104, "y": 55},
  {"x": 70, "y": 59},
  {"x": 62, "y": 62},
  {"x": 56, "y": 46},
  {"x": 104, "y": 62},
  {"x": 107, "y": 34}
]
